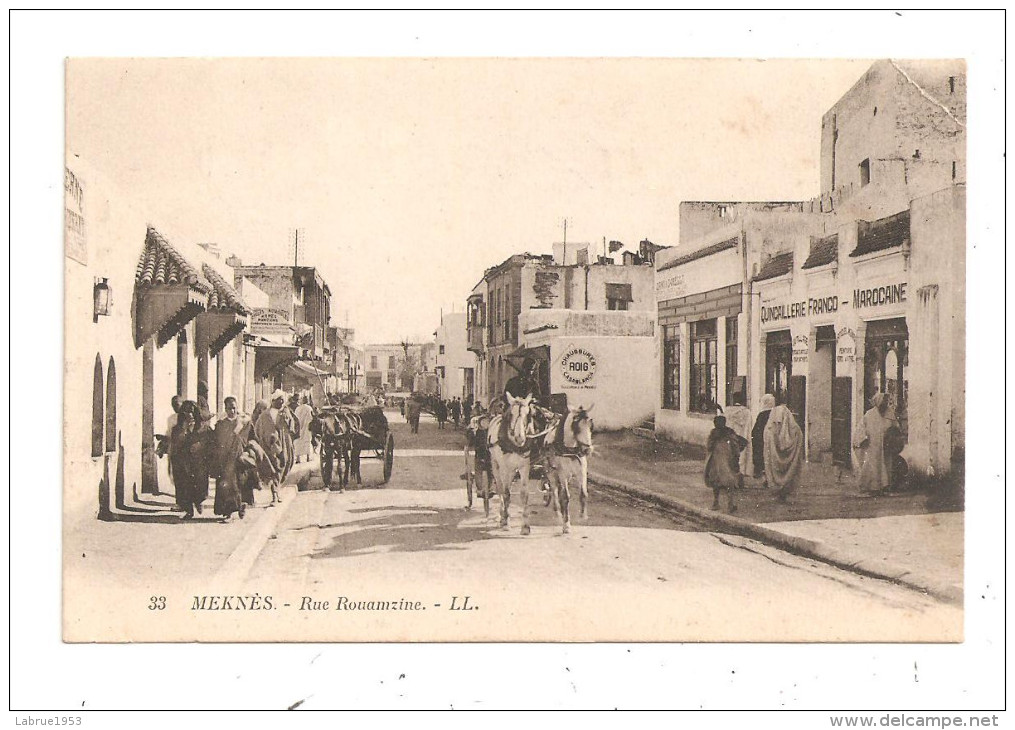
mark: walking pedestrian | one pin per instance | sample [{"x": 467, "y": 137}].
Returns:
[
  {"x": 722, "y": 463},
  {"x": 303, "y": 445},
  {"x": 758, "y": 437},
  {"x": 190, "y": 450},
  {"x": 412, "y": 411},
  {"x": 441, "y": 412},
  {"x": 265, "y": 435},
  {"x": 738, "y": 418},
  {"x": 875, "y": 474},
  {"x": 784, "y": 451},
  {"x": 231, "y": 431},
  {"x": 456, "y": 411},
  {"x": 277, "y": 420}
]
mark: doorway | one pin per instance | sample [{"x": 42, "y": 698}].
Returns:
[
  {"x": 886, "y": 367},
  {"x": 778, "y": 364}
]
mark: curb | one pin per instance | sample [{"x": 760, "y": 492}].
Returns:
[
  {"x": 233, "y": 572},
  {"x": 813, "y": 549}
]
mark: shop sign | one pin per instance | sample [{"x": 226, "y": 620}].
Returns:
[
  {"x": 879, "y": 296},
  {"x": 800, "y": 347},
  {"x": 845, "y": 347},
  {"x": 75, "y": 241},
  {"x": 792, "y": 310},
  {"x": 270, "y": 322},
  {"x": 578, "y": 367}
]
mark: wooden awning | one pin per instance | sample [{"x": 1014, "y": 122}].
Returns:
[
  {"x": 168, "y": 291},
  {"x": 217, "y": 328},
  {"x": 269, "y": 359},
  {"x": 226, "y": 317}
]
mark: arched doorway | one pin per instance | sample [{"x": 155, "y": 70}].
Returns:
[{"x": 98, "y": 396}]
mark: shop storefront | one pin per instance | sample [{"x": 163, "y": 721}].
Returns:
[{"x": 703, "y": 326}]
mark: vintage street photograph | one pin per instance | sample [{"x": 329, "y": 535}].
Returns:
[{"x": 514, "y": 350}]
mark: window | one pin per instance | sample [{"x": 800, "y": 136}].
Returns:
[
  {"x": 441, "y": 349},
  {"x": 865, "y": 172},
  {"x": 703, "y": 393},
  {"x": 391, "y": 362},
  {"x": 951, "y": 84},
  {"x": 618, "y": 296},
  {"x": 953, "y": 169},
  {"x": 671, "y": 367},
  {"x": 373, "y": 362},
  {"x": 731, "y": 356}
]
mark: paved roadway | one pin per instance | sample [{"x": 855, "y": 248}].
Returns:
[{"x": 628, "y": 573}]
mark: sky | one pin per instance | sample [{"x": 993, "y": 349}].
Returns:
[{"x": 409, "y": 177}]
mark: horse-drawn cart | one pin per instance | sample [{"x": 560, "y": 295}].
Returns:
[{"x": 346, "y": 431}]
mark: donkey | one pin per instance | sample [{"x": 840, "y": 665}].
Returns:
[{"x": 334, "y": 429}]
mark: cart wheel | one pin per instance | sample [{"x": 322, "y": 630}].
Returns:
[{"x": 389, "y": 457}]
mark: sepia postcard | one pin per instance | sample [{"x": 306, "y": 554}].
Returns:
[{"x": 514, "y": 350}]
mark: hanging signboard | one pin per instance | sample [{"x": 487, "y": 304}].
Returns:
[{"x": 75, "y": 242}]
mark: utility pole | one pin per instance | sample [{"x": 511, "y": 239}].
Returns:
[{"x": 564, "y": 261}]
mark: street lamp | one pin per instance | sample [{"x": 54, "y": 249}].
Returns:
[{"x": 102, "y": 298}]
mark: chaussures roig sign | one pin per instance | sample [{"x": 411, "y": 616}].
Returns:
[{"x": 578, "y": 366}]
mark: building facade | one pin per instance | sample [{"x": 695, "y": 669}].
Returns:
[
  {"x": 856, "y": 291},
  {"x": 394, "y": 367},
  {"x": 454, "y": 364},
  {"x": 289, "y": 338},
  {"x": 139, "y": 329},
  {"x": 538, "y": 307}
]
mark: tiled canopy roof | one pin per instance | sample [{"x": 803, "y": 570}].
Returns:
[
  {"x": 882, "y": 234},
  {"x": 222, "y": 296},
  {"x": 701, "y": 253},
  {"x": 776, "y": 266},
  {"x": 823, "y": 251},
  {"x": 161, "y": 263}
]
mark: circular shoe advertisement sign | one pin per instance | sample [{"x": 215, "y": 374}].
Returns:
[{"x": 578, "y": 366}]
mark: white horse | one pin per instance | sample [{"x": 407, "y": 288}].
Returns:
[
  {"x": 510, "y": 454},
  {"x": 569, "y": 446}
]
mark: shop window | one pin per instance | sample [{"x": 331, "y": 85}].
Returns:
[
  {"x": 703, "y": 395},
  {"x": 778, "y": 364},
  {"x": 111, "y": 406},
  {"x": 671, "y": 367},
  {"x": 865, "y": 172},
  {"x": 97, "y": 403},
  {"x": 731, "y": 357}
]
